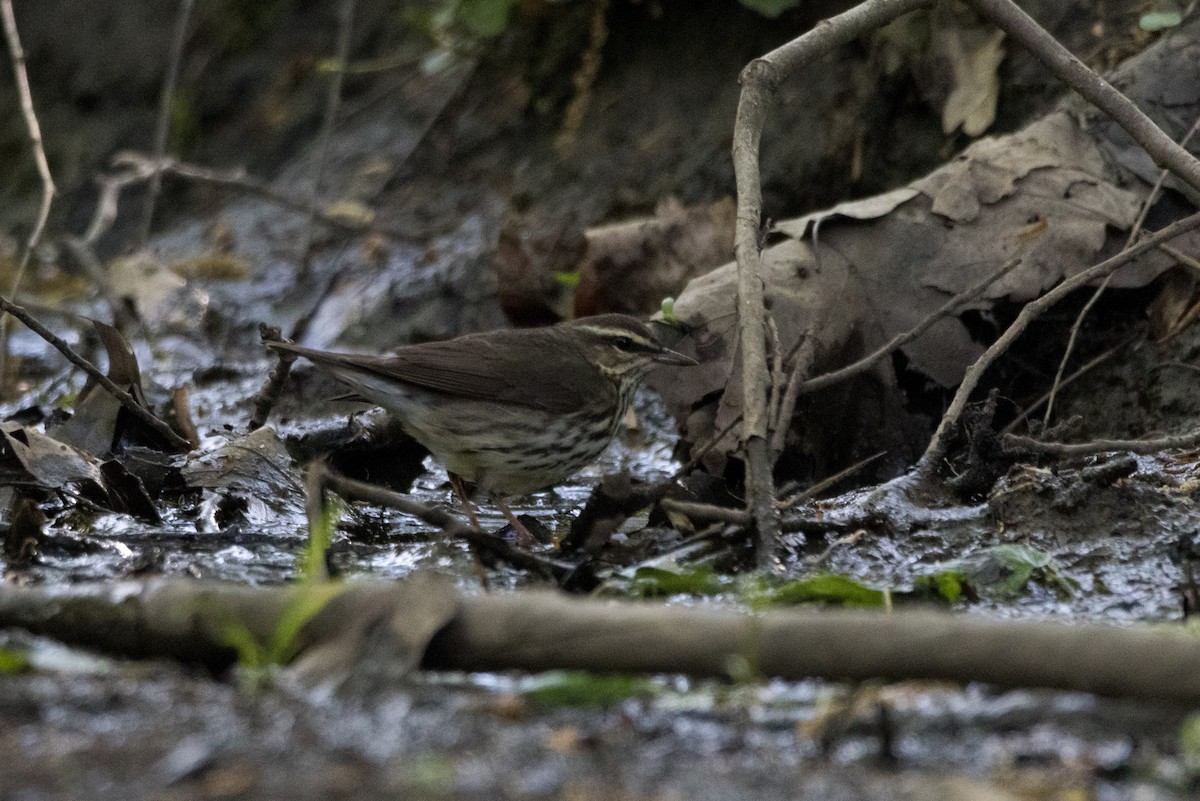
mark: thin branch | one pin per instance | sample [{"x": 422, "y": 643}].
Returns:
[
  {"x": 900, "y": 340},
  {"x": 350, "y": 489},
  {"x": 1134, "y": 232},
  {"x": 126, "y": 400},
  {"x": 809, "y": 493},
  {"x": 707, "y": 512},
  {"x": 1181, "y": 257},
  {"x": 1016, "y": 442},
  {"x": 1066, "y": 382},
  {"x": 136, "y": 167},
  {"x": 35, "y": 137},
  {"x": 804, "y": 355},
  {"x": 17, "y": 54},
  {"x": 268, "y": 394},
  {"x": 760, "y": 483},
  {"x": 941, "y": 438},
  {"x": 332, "y": 101},
  {"x": 162, "y": 124},
  {"x": 1023, "y": 30},
  {"x": 759, "y": 81}
]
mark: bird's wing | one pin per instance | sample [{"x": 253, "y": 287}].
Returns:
[{"x": 480, "y": 368}]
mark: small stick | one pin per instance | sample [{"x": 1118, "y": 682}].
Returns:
[
  {"x": 705, "y": 512},
  {"x": 162, "y": 124},
  {"x": 787, "y": 406},
  {"x": 900, "y": 340},
  {"x": 1066, "y": 382},
  {"x": 17, "y": 53},
  {"x": 1134, "y": 233},
  {"x": 126, "y": 400},
  {"x": 268, "y": 395},
  {"x": 352, "y": 489},
  {"x": 332, "y": 101},
  {"x": 139, "y": 167},
  {"x": 940, "y": 441},
  {"x": 816, "y": 489},
  {"x": 1016, "y": 442}
]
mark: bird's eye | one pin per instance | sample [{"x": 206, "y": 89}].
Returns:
[{"x": 624, "y": 343}]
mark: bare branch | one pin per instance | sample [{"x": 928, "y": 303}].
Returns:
[
  {"x": 332, "y": 101},
  {"x": 1022, "y": 29},
  {"x": 1016, "y": 442},
  {"x": 162, "y": 125},
  {"x": 350, "y": 489},
  {"x": 17, "y": 54},
  {"x": 759, "y": 81},
  {"x": 126, "y": 400},
  {"x": 900, "y": 340},
  {"x": 941, "y": 439}
]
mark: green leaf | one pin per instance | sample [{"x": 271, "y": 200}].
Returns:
[
  {"x": 484, "y": 17},
  {"x": 770, "y": 8},
  {"x": 1160, "y": 20},
  {"x": 13, "y": 662},
  {"x": 944, "y": 585},
  {"x": 568, "y": 279},
  {"x": 828, "y": 588},
  {"x": 1189, "y": 743},
  {"x": 582, "y": 690},
  {"x": 307, "y": 599},
  {"x": 1004, "y": 571},
  {"x": 320, "y": 535},
  {"x": 648, "y": 582}
]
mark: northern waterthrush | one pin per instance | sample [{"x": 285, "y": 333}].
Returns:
[{"x": 512, "y": 411}]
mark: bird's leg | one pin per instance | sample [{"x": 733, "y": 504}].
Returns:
[
  {"x": 523, "y": 534},
  {"x": 461, "y": 491}
]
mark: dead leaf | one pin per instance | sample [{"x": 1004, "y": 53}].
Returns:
[
  {"x": 1045, "y": 195},
  {"x": 100, "y": 421},
  {"x": 145, "y": 281},
  {"x": 974, "y": 54},
  {"x": 631, "y": 266},
  {"x": 51, "y": 463},
  {"x": 257, "y": 465},
  {"x": 1169, "y": 306}
]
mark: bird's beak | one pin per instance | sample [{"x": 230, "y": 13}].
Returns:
[{"x": 668, "y": 356}]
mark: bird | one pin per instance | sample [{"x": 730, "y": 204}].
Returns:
[{"x": 511, "y": 411}]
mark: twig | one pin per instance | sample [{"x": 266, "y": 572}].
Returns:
[
  {"x": 351, "y": 489},
  {"x": 17, "y": 55},
  {"x": 809, "y": 493},
  {"x": 1134, "y": 232},
  {"x": 1016, "y": 442},
  {"x": 805, "y": 353},
  {"x": 820, "y": 559},
  {"x": 268, "y": 395},
  {"x": 332, "y": 101},
  {"x": 1066, "y": 382},
  {"x": 938, "y": 445},
  {"x": 1023, "y": 30},
  {"x": 1181, "y": 257},
  {"x": 315, "y": 499},
  {"x": 162, "y": 124},
  {"x": 537, "y": 631},
  {"x": 900, "y": 340},
  {"x": 759, "y": 79},
  {"x": 126, "y": 400},
  {"x": 137, "y": 167},
  {"x": 705, "y": 512}
]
